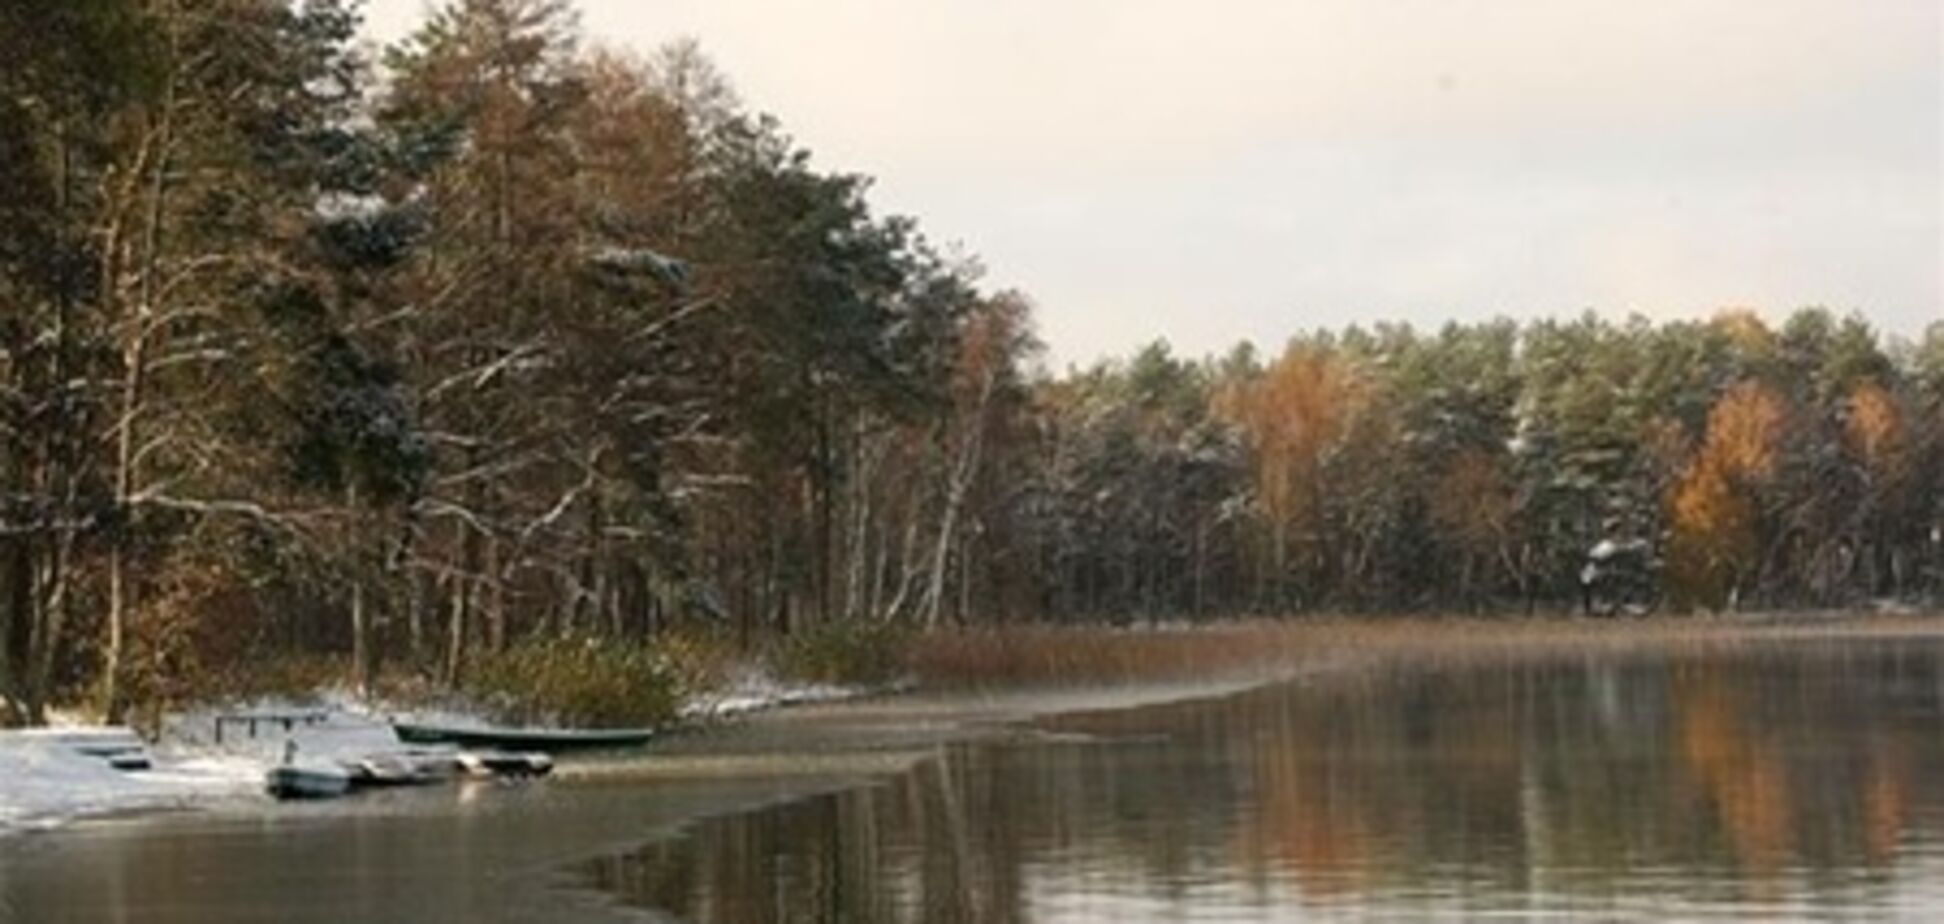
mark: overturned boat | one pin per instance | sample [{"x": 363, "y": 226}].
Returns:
[
  {"x": 310, "y": 780},
  {"x": 405, "y": 768},
  {"x": 545, "y": 740},
  {"x": 315, "y": 779}
]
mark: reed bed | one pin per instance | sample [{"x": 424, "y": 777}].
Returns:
[{"x": 1046, "y": 655}]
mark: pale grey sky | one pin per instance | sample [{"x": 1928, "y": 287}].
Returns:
[{"x": 1226, "y": 169}]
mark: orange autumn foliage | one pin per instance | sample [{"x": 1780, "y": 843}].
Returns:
[
  {"x": 1292, "y": 414},
  {"x": 1744, "y": 429},
  {"x": 1710, "y": 508},
  {"x": 1874, "y": 430}
]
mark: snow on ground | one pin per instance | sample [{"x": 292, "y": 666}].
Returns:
[
  {"x": 754, "y": 691},
  {"x": 350, "y": 729},
  {"x": 45, "y": 781}
]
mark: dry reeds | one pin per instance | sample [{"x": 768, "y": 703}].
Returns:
[{"x": 1043, "y": 655}]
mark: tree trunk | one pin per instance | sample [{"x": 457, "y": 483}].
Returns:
[
  {"x": 821, "y": 498},
  {"x": 1201, "y": 569},
  {"x": 48, "y": 478},
  {"x": 965, "y": 579},
  {"x": 360, "y": 619},
  {"x": 495, "y": 597},
  {"x": 16, "y": 620},
  {"x": 360, "y": 640},
  {"x": 404, "y": 578},
  {"x": 456, "y": 630},
  {"x": 111, "y": 659},
  {"x": 908, "y": 571},
  {"x": 134, "y": 380},
  {"x": 415, "y": 616},
  {"x": 857, "y": 559},
  {"x": 53, "y": 622},
  {"x": 957, "y": 488},
  {"x": 460, "y": 613},
  {"x": 502, "y": 576}
]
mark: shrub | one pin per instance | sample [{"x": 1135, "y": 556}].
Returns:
[
  {"x": 582, "y": 682},
  {"x": 845, "y": 651},
  {"x": 701, "y": 660}
]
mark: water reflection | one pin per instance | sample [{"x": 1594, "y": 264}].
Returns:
[{"x": 1780, "y": 782}]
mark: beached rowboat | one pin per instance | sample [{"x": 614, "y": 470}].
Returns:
[
  {"x": 522, "y": 739},
  {"x": 402, "y": 769},
  {"x": 307, "y": 781}
]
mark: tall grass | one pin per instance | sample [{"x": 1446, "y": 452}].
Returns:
[
  {"x": 1023, "y": 656},
  {"x": 847, "y": 652}
]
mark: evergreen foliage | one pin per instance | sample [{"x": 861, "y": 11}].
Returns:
[{"x": 525, "y": 343}]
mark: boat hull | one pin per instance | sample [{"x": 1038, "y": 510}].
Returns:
[
  {"x": 297, "y": 782},
  {"x": 509, "y": 739},
  {"x": 395, "y": 770},
  {"x": 506, "y": 764}
]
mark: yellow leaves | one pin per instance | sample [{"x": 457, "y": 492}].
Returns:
[
  {"x": 1293, "y": 413},
  {"x": 1709, "y": 509},
  {"x": 1743, "y": 430},
  {"x": 1873, "y": 428},
  {"x": 1745, "y": 329}
]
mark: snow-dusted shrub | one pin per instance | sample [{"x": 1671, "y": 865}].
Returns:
[
  {"x": 845, "y": 652},
  {"x": 579, "y": 682}
]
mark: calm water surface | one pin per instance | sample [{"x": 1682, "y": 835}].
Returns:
[
  {"x": 1798, "y": 781},
  {"x": 1806, "y": 782}
]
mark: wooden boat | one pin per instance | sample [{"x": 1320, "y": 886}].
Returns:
[
  {"x": 402, "y": 769},
  {"x": 522, "y": 739},
  {"x": 307, "y": 781}
]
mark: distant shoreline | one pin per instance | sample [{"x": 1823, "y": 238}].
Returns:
[
  {"x": 983, "y": 658},
  {"x": 1033, "y": 673}
]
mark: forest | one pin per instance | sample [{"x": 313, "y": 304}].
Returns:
[{"x": 407, "y": 355}]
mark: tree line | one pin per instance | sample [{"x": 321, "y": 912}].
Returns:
[
  {"x": 1557, "y": 465},
  {"x": 493, "y": 336}
]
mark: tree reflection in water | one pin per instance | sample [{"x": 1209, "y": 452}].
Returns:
[{"x": 1770, "y": 780}]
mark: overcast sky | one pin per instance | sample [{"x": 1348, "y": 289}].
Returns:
[{"x": 1226, "y": 169}]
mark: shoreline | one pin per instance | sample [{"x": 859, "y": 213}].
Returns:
[
  {"x": 888, "y": 728},
  {"x": 985, "y": 715},
  {"x": 975, "y": 659},
  {"x": 827, "y": 732}
]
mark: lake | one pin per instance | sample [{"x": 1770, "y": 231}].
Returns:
[{"x": 1778, "y": 780}]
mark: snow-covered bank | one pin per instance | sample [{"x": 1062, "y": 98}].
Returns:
[
  {"x": 45, "y": 781},
  {"x": 756, "y": 691}
]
